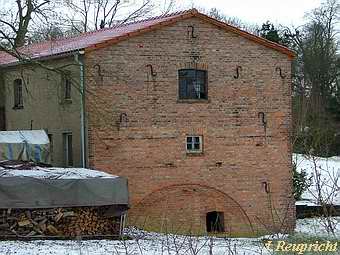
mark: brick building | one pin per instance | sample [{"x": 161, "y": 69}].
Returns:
[{"x": 196, "y": 114}]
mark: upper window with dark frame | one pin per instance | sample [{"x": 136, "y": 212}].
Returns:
[
  {"x": 193, "y": 84},
  {"x": 18, "y": 99},
  {"x": 67, "y": 89}
]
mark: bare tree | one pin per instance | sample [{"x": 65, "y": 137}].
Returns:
[
  {"x": 16, "y": 19},
  {"x": 26, "y": 21},
  {"x": 233, "y": 21},
  {"x": 96, "y": 14},
  {"x": 316, "y": 85}
]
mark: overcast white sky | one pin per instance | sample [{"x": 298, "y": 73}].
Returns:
[{"x": 286, "y": 12}]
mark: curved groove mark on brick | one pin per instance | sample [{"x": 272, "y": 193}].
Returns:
[{"x": 192, "y": 191}]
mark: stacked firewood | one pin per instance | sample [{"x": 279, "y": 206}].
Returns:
[{"x": 59, "y": 222}]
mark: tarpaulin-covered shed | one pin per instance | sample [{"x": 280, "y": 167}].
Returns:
[
  {"x": 40, "y": 187},
  {"x": 25, "y": 145},
  {"x": 60, "y": 202}
]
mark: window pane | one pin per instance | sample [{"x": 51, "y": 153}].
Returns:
[
  {"x": 18, "y": 100},
  {"x": 197, "y": 87},
  {"x": 194, "y": 143},
  {"x": 192, "y": 84},
  {"x": 201, "y": 74},
  {"x": 192, "y": 73},
  {"x": 20, "y": 94},
  {"x": 182, "y": 73},
  {"x": 50, "y": 137},
  {"x": 69, "y": 149},
  {"x": 187, "y": 73},
  {"x": 67, "y": 89},
  {"x": 189, "y": 146},
  {"x": 191, "y": 88},
  {"x": 183, "y": 89}
]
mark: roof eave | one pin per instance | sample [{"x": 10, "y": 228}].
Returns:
[
  {"x": 291, "y": 54},
  {"x": 185, "y": 15},
  {"x": 45, "y": 58}
]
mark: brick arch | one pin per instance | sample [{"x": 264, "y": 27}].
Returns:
[
  {"x": 193, "y": 65},
  {"x": 184, "y": 207}
]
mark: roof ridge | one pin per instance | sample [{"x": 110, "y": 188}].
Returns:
[
  {"x": 109, "y": 28},
  {"x": 138, "y": 21}
]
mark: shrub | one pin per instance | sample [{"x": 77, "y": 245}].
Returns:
[{"x": 301, "y": 182}]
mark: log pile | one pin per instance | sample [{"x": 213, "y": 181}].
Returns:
[{"x": 59, "y": 222}]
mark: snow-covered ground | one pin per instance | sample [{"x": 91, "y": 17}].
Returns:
[
  {"x": 326, "y": 172},
  {"x": 158, "y": 244},
  {"x": 316, "y": 227},
  {"x": 149, "y": 245}
]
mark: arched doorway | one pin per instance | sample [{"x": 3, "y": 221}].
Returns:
[{"x": 190, "y": 208}]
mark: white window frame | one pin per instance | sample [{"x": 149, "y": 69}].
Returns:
[{"x": 193, "y": 138}]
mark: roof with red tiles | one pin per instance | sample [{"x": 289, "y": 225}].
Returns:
[{"x": 101, "y": 38}]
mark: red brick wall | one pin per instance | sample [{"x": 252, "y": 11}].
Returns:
[{"x": 167, "y": 186}]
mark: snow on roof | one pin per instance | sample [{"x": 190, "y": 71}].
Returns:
[
  {"x": 328, "y": 170},
  {"x": 55, "y": 173},
  {"x": 24, "y": 136},
  {"x": 305, "y": 203}
]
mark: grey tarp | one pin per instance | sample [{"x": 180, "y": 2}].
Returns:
[{"x": 29, "y": 192}]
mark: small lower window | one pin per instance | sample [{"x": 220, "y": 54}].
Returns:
[{"x": 194, "y": 144}]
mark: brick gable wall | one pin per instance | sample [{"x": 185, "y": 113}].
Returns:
[{"x": 137, "y": 128}]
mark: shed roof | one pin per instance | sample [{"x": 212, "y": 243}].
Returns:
[
  {"x": 58, "y": 187},
  {"x": 101, "y": 38}
]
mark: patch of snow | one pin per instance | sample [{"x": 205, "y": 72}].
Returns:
[
  {"x": 55, "y": 173},
  {"x": 24, "y": 136},
  {"x": 306, "y": 203},
  {"x": 327, "y": 171},
  {"x": 316, "y": 226},
  {"x": 149, "y": 243}
]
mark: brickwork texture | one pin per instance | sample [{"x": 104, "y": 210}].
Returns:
[{"x": 137, "y": 128}]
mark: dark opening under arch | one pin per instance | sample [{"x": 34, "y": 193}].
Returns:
[{"x": 215, "y": 222}]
